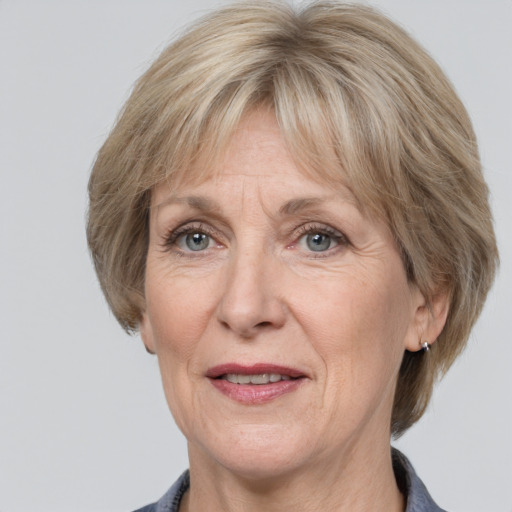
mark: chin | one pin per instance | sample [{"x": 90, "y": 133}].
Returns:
[{"x": 258, "y": 452}]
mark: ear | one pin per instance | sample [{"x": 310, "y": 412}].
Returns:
[
  {"x": 146, "y": 333},
  {"x": 429, "y": 319}
]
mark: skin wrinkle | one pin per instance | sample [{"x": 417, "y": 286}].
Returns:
[
  {"x": 294, "y": 209},
  {"x": 343, "y": 318},
  {"x": 344, "y": 124},
  {"x": 344, "y": 115}
]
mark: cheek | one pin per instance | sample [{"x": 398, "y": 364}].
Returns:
[
  {"x": 179, "y": 311},
  {"x": 352, "y": 311},
  {"x": 178, "y": 317},
  {"x": 357, "y": 327}
]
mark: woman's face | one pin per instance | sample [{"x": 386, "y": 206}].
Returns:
[{"x": 279, "y": 312}]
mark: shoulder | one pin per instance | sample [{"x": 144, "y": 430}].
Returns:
[
  {"x": 170, "y": 501},
  {"x": 147, "y": 508},
  {"x": 418, "y": 497}
]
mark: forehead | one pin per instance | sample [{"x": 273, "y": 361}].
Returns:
[
  {"x": 256, "y": 157},
  {"x": 256, "y": 151}
]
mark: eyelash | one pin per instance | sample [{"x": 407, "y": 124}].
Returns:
[
  {"x": 322, "y": 229},
  {"x": 173, "y": 235}
]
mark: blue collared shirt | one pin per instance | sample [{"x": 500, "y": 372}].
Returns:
[{"x": 418, "y": 498}]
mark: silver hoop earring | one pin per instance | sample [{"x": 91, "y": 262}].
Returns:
[{"x": 425, "y": 346}]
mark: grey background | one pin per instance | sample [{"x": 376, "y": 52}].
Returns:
[{"x": 83, "y": 421}]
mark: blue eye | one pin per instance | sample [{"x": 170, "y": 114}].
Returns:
[
  {"x": 190, "y": 238},
  {"x": 320, "y": 239},
  {"x": 196, "y": 241},
  {"x": 319, "y": 242}
]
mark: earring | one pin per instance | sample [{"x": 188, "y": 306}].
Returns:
[{"x": 425, "y": 346}]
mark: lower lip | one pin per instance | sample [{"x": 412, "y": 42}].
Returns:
[{"x": 252, "y": 394}]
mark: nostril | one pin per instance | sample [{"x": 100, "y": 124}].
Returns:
[{"x": 263, "y": 324}]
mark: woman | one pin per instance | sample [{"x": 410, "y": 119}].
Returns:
[{"x": 291, "y": 210}]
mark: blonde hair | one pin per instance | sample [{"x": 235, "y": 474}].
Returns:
[{"x": 357, "y": 100}]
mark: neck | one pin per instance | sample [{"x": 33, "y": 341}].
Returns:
[{"x": 356, "y": 481}]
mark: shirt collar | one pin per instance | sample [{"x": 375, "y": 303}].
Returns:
[{"x": 418, "y": 498}]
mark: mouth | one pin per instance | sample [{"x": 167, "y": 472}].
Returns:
[
  {"x": 258, "y": 379},
  {"x": 255, "y": 384}
]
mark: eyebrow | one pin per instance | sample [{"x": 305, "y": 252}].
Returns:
[
  {"x": 200, "y": 203},
  {"x": 290, "y": 208},
  {"x": 300, "y": 204}
]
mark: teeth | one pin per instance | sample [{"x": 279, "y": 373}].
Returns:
[
  {"x": 244, "y": 379},
  {"x": 263, "y": 378},
  {"x": 258, "y": 379}
]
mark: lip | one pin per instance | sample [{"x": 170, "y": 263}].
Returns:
[
  {"x": 253, "y": 394},
  {"x": 222, "y": 369}
]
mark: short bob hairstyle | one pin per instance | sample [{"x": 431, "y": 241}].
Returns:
[{"x": 359, "y": 102}]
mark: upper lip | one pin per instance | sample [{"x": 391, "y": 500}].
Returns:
[{"x": 253, "y": 369}]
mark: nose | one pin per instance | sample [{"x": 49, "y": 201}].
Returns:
[{"x": 252, "y": 300}]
